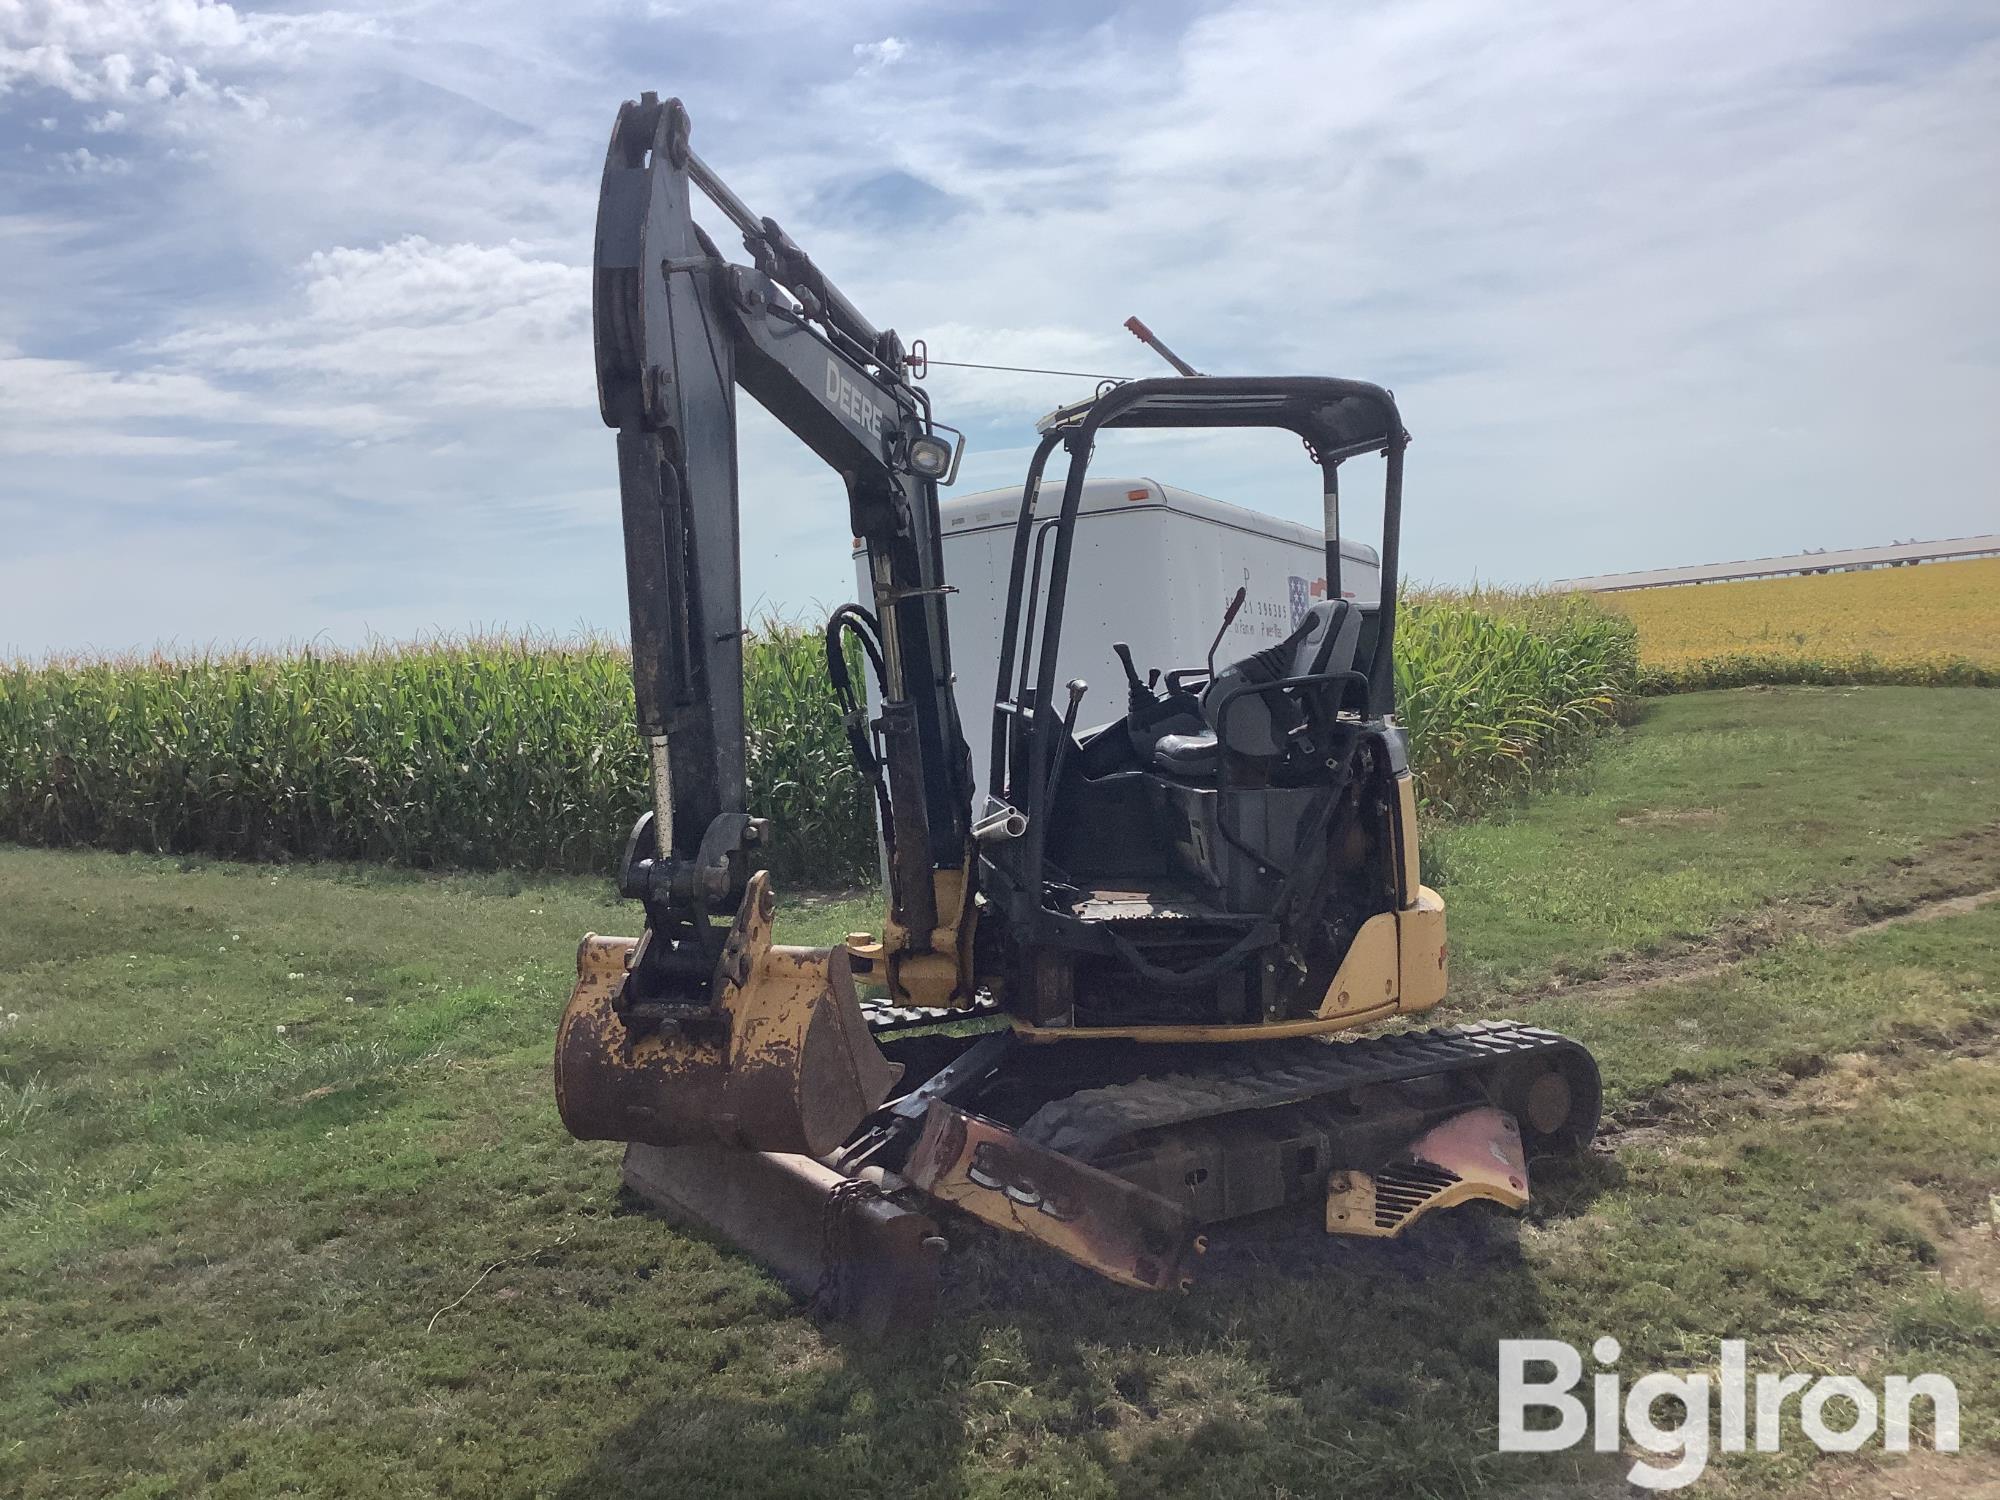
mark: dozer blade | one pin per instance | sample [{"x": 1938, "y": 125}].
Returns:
[
  {"x": 784, "y": 1063},
  {"x": 1115, "y": 1228},
  {"x": 830, "y": 1239}
]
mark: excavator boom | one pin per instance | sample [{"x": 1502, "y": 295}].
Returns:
[{"x": 701, "y": 1029}]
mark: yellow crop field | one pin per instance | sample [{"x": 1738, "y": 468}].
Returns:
[{"x": 1939, "y": 622}]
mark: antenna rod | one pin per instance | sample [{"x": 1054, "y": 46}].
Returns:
[{"x": 1151, "y": 340}]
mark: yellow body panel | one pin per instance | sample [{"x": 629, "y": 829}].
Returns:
[
  {"x": 1475, "y": 1155},
  {"x": 1396, "y": 964},
  {"x": 1367, "y": 982},
  {"x": 940, "y": 975},
  {"x": 1424, "y": 957}
]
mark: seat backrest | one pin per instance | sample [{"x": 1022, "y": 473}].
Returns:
[
  {"x": 1329, "y": 643},
  {"x": 1324, "y": 640}
]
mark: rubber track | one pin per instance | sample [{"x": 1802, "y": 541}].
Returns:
[
  {"x": 1264, "y": 1075},
  {"x": 884, "y": 1018}
]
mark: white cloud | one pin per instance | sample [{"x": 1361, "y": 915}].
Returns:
[
  {"x": 65, "y": 406},
  {"x": 83, "y": 162},
  {"x": 104, "y": 124},
  {"x": 162, "y": 56},
  {"x": 1652, "y": 283},
  {"x": 875, "y": 56},
  {"x": 421, "y": 326}
]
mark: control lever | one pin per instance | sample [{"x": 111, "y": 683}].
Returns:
[
  {"x": 1077, "y": 688},
  {"x": 1138, "y": 695},
  {"x": 1228, "y": 619}
]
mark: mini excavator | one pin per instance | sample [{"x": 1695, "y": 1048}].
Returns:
[{"x": 1123, "y": 991}]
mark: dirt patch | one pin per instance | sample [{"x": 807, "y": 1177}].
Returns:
[
  {"x": 1969, "y": 1258},
  {"x": 1959, "y": 875},
  {"x": 1922, "y": 1476},
  {"x": 1809, "y": 1084},
  {"x": 1657, "y": 815},
  {"x": 1930, "y": 911}
]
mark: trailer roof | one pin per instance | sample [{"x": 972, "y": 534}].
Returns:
[{"x": 990, "y": 509}]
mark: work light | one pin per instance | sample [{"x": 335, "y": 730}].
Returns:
[{"x": 930, "y": 456}]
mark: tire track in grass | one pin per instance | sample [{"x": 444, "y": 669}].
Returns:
[{"x": 1957, "y": 875}]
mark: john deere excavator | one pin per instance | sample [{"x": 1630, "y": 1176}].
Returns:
[{"x": 1117, "y": 990}]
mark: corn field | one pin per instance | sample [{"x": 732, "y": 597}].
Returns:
[
  {"x": 1935, "y": 624},
  {"x": 1496, "y": 685},
  {"x": 498, "y": 753}
]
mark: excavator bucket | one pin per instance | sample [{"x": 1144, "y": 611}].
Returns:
[{"x": 783, "y": 1063}]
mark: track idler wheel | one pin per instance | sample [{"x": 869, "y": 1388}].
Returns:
[
  {"x": 787, "y": 1064},
  {"x": 1556, "y": 1096}
]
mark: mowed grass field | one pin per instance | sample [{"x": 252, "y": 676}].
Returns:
[
  {"x": 285, "y": 1208},
  {"x": 1938, "y": 622}
]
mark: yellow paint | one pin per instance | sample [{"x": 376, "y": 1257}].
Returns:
[
  {"x": 1274, "y": 1031},
  {"x": 1350, "y": 1204},
  {"x": 1912, "y": 616},
  {"x": 1424, "y": 955},
  {"x": 794, "y": 1068},
  {"x": 1102, "y": 1222},
  {"x": 1474, "y": 1155},
  {"x": 1367, "y": 980},
  {"x": 942, "y": 975}
]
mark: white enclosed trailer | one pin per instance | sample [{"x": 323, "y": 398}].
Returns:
[{"x": 1153, "y": 566}]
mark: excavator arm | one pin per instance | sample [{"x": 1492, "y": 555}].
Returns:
[
  {"x": 678, "y": 329},
  {"x": 702, "y": 997}
]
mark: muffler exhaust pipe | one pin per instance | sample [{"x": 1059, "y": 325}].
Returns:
[{"x": 997, "y": 822}]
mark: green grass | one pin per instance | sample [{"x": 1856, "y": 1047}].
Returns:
[
  {"x": 1743, "y": 668},
  {"x": 1717, "y": 803},
  {"x": 495, "y": 753},
  {"x": 360, "y": 1258}
]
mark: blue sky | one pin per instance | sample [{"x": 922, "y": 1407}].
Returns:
[{"x": 294, "y": 331}]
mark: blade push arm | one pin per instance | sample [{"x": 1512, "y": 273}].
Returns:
[{"x": 677, "y": 329}]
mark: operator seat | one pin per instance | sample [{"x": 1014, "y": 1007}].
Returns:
[{"x": 1325, "y": 640}]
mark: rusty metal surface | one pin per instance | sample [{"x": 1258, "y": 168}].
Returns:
[
  {"x": 1103, "y": 1222},
  {"x": 784, "y": 1064},
  {"x": 860, "y": 1257}
]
